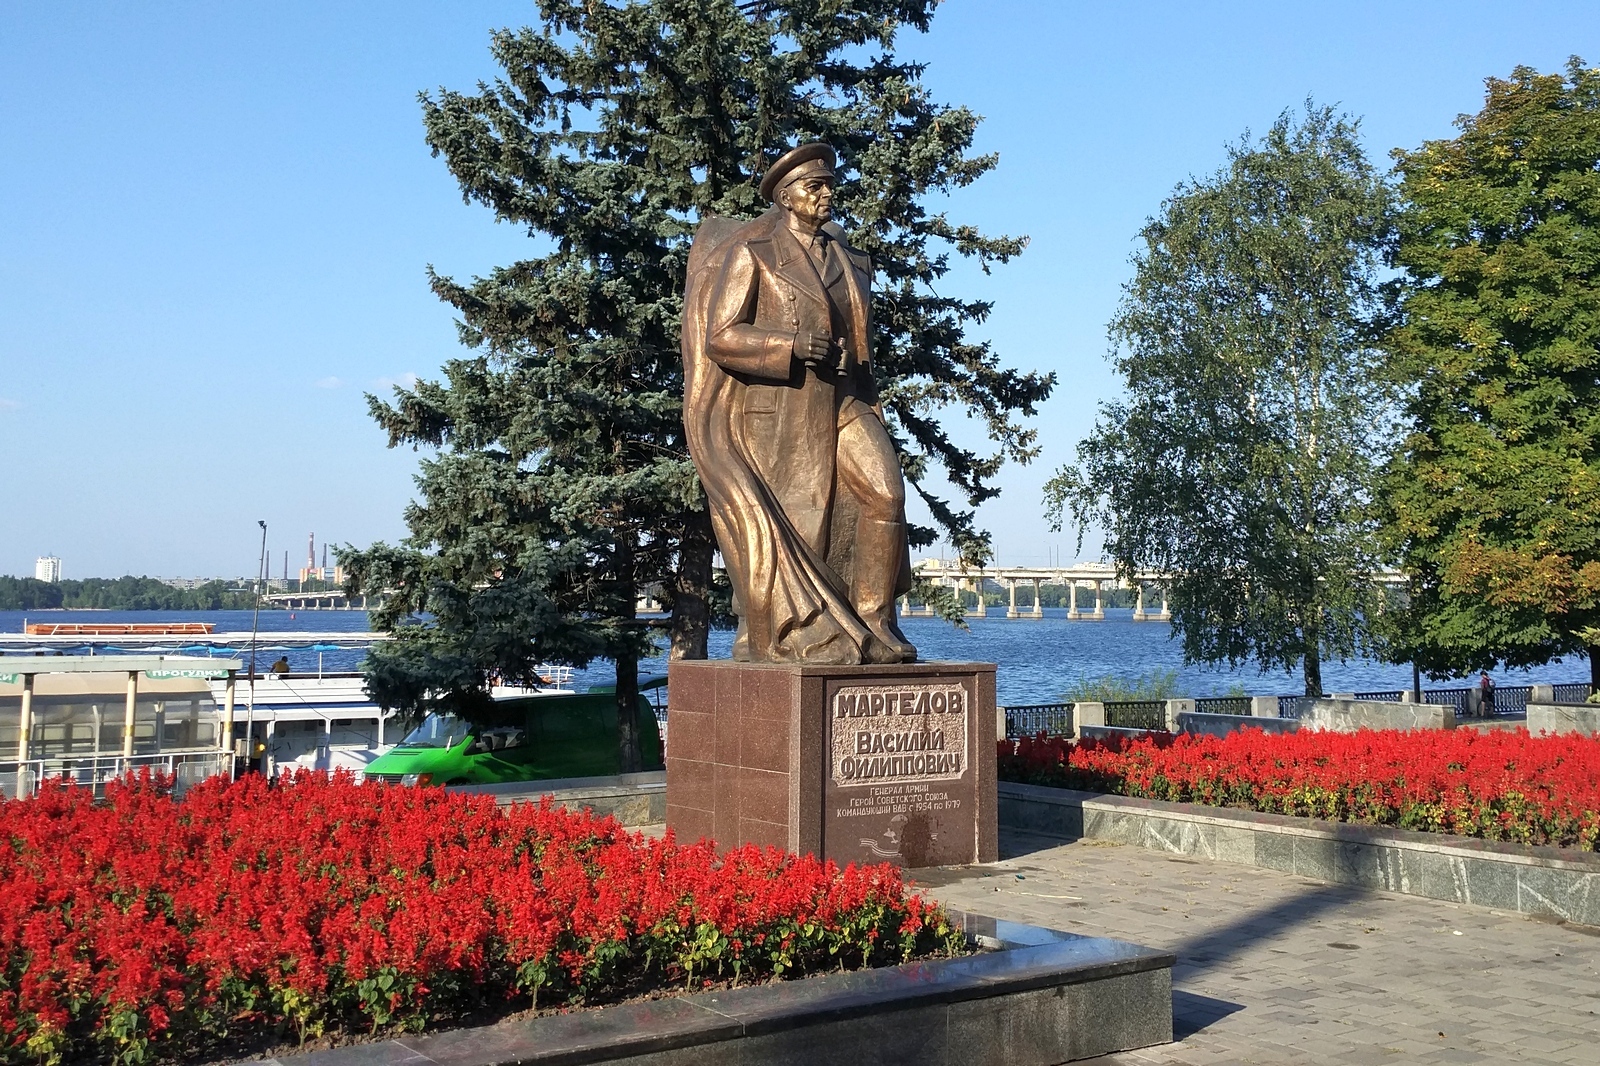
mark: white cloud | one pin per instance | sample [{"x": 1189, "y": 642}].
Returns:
[
  {"x": 329, "y": 382},
  {"x": 8, "y": 405},
  {"x": 408, "y": 380}
]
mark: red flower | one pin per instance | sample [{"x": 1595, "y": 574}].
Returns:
[
  {"x": 1496, "y": 784},
  {"x": 148, "y": 926}
]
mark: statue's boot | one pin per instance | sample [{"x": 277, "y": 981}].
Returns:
[{"x": 880, "y": 548}]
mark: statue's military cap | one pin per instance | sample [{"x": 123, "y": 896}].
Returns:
[{"x": 792, "y": 165}]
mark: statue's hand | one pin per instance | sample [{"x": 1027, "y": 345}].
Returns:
[{"x": 813, "y": 349}]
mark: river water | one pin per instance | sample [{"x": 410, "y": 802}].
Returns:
[{"x": 1037, "y": 659}]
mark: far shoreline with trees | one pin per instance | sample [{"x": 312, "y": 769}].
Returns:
[{"x": 127, "y": 593}]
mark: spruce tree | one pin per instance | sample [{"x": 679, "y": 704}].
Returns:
[{"x": 561, "y": 489}]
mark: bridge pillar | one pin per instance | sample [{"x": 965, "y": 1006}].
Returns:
[
  {"x": 1011, "y": 612},
  {"x": 1072, "y": 601},
  {"x": 1138, "y": 603},
  {"x": 1099, "y": 603},
  {"x": 980, "y": 610},
  {"x": 1038, "y": 604},
  {"x": 1165, "y": 614}
]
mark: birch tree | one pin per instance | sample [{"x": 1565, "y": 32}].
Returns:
[{"x": 1241, "y": 459}]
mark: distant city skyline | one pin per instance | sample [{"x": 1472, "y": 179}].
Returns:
[
  {"x": 188, "y": 334},
  {"x": 49, "y": 568}
]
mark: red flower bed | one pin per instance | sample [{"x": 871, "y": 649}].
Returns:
[
  {"x": 1496, "y": 784},
  {"x": 141, "y": 928}
]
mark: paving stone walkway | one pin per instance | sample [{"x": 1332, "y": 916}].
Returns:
[{"x": 1273, "y": 968}]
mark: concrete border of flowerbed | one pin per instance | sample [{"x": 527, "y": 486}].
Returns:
[
  {"x": 1561, "y": 883},
  {"x": 632, "y": 799},
  {"x": 1037, "y": 997},
  {"x": 1564, "y": 718}
]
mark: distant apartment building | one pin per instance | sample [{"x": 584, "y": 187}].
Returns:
[{"x": 47, "y": 568}]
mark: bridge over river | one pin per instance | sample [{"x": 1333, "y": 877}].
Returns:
[
  {"x": 1085, "y": 575},
  {"x": 1098, "y": 576}
]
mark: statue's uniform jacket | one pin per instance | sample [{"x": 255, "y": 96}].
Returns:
[{"x": 769, "y": 290}]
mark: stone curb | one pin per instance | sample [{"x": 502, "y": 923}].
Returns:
[
  {"x": 1042, "y": 997},
  {"x": 1561, "y": 883},
  {"x": 633, "y": 799}
]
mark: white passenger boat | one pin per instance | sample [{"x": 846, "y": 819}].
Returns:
[{"x": 281, "y": 721}]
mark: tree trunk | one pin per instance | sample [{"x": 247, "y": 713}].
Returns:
[
  {"x": 1594, "y": 667},
  {"x": 629, "y": 749},
  {"x": 691, "y": 590},
  {"x": 1313, "y": 670}
]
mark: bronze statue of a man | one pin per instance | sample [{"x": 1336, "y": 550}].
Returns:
[{"x": 806, "y": 495}]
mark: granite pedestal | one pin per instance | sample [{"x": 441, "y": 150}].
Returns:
[{"x": 852, "y": 763}]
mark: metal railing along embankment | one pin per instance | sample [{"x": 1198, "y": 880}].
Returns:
[
  {"x": 1059, "y": 719},
  {"x": 1239, "y": 705},
  {"x": 1029, "y": 720},
  {"x": 1136, "y": 714}
]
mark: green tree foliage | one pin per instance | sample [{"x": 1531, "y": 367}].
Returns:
[
  {"x": 1113, "y": 688},
  {"x": 1494, "y": 497},
  {"x": 118, "y": 594},
  {"x": 561, "y": 486},
  {"x": 28, "y": 594},
  {"x": 1242, "y": 458}
]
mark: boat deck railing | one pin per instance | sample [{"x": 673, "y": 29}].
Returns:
[{"x": 20, "y": 779}]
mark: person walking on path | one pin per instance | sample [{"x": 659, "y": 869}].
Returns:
[{"x": 1486, "y": 694}]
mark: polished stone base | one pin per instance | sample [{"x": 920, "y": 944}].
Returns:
[
  {"x": 855, "y": 763},
  {"x": 1037, "y": 997}
]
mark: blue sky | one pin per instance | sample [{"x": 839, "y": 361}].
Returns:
[{"x": 215, "y": 220}]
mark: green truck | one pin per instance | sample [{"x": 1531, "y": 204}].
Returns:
[{"x": 560, "y": 736}]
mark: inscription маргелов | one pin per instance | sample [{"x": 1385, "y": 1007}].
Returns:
[{"x": 900, "y": 780}]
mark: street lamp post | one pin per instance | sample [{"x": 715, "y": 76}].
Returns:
[{"x": 255, "y": 624}]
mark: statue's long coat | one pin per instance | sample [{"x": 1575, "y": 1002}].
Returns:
[{"x": 762, "y": 430}]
